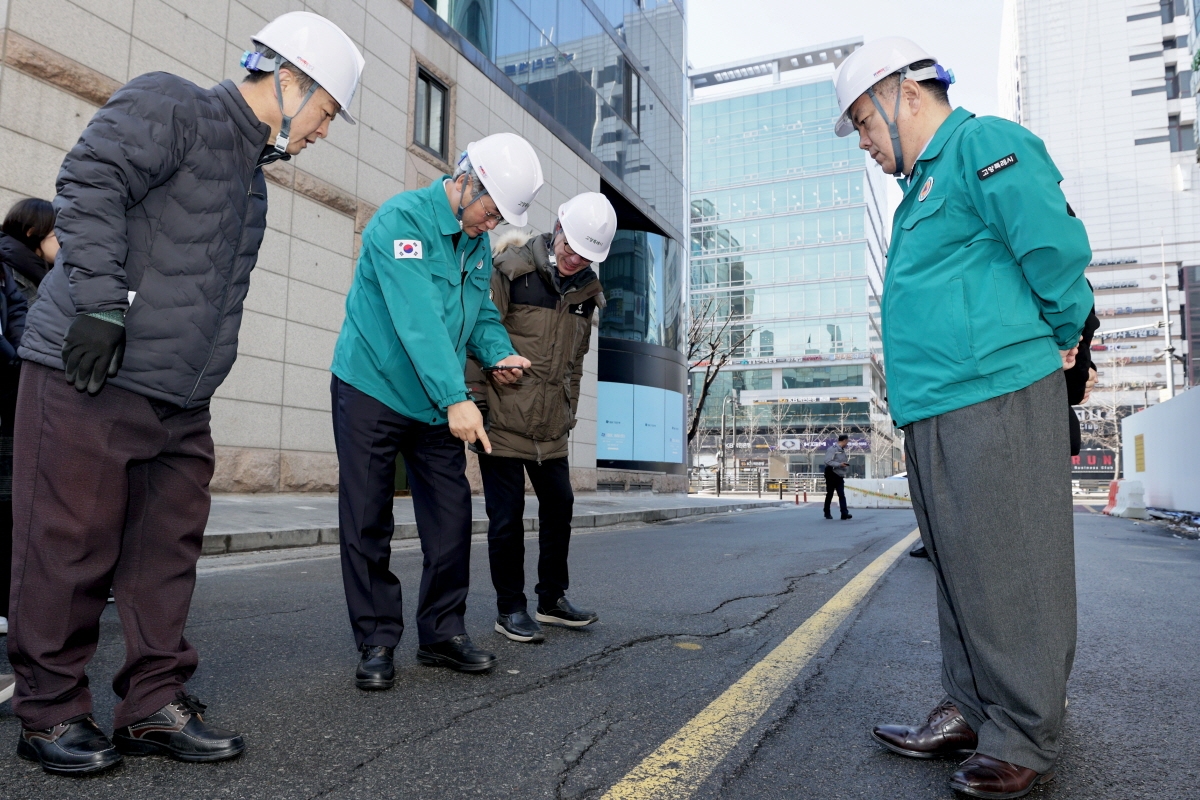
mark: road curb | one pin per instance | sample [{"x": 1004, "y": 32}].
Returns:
[{"x": 249, "y": 541}]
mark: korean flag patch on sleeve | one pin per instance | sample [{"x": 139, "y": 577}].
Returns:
[{"x": 407, "y": 248}]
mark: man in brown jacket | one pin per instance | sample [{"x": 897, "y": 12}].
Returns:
[{"x": 546, "y": 292}]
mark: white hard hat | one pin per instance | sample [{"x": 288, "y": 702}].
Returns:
[
  {"x": 510, "y": 171},
  {"x": 873, "y": 62},
  {"x": 589, "y": 223},
  {"x": 318, "y": 47}
]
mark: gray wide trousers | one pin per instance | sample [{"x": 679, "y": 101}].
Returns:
[{"x": 991, "y": 487}]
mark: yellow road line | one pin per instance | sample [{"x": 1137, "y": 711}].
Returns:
[{"x": 677, "y": 768}]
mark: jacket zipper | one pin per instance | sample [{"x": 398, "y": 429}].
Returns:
[
  {"x": 224, "y": 294},
  {"x": 462, "y": 295}
]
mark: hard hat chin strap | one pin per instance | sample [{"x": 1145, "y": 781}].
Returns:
[
  {"x": 893, "y": 128},
  {"x": 285, "y": 127},
  {"x": 461, "y": 208}
]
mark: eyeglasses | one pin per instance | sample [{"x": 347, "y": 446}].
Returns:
[{"x": 569, "y": 253}]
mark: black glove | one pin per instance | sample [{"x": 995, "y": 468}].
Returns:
[{"x": 92, "y": 352}]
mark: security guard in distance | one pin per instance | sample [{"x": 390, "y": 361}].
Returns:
[
  {"x": 984, "y": 300},
  {"x": 418, "y": 304}
]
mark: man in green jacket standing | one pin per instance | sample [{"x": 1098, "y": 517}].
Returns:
[
  {"x": 418, "y": 304},
  {"x": 983, "y": 304}
]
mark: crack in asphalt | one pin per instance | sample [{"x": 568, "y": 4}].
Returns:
[
  {"x": 791, "y": 583},
  {"x": 596, "y": 659},
  {"x": 192, "y": 624},
  {"x": 575, "y": 756}
]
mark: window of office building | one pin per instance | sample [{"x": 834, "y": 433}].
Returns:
[
  {"x": 822, "y": 377},
  {"x": 1182, "y": 136},
  {"x": 429, "y": 127}
]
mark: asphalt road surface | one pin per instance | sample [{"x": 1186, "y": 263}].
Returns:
[{"x": 687, "y": 608}]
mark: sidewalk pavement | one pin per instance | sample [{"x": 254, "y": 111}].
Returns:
[{"x": 243, "y": 522}]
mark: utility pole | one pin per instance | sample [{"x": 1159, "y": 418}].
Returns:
[
  {"x": 1169, "y": 352},
  {"x": 735, "y": 414}
]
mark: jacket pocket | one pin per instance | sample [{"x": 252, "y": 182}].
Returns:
[
  {"x": 922, "y": 211},
  {"x": 1014, "y": 298},
  {"x": 956, "y": 312}
]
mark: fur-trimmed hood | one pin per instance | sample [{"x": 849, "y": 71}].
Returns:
[{"x": 516, "y": 237}]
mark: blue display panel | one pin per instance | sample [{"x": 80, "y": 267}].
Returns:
[
  {"x": 639, "y": 423},
  {"x": 614, "y": 426},
  {"x": 648, "y": 431}
]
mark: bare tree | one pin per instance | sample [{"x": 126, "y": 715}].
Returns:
[{"x": 713, "y": 339}]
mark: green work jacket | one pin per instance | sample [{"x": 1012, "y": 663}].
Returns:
[
  {"x": 417, "y": 304},
  {"x": 984, "y": 281}
]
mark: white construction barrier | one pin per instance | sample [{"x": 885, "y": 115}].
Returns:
[
  {"x": 1160, "y": 447},
  {"x": 874, "y": 493},
  {"x": 1130, "y": 501}
]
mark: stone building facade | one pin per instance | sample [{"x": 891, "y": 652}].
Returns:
[{"x": 61, "y": 59}]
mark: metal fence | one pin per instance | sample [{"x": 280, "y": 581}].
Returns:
[{"x": 756, "y": 483}]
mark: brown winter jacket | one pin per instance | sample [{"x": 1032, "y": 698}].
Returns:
[{"x": 531, "y": 418}]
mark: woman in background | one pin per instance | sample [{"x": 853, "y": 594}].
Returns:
[{"x": 27, "y": 250}]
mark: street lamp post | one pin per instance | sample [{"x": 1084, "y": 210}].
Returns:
[
  {"x": 1169, "y": 351},
  {"x": 721, "y": 463}
]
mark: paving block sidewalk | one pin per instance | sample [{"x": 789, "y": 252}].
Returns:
[{"x": 244, "y": 522}]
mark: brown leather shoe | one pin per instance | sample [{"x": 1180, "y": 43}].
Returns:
[
  {"x": 945, "y": 734},
  {"x": 984, "y": 776}
]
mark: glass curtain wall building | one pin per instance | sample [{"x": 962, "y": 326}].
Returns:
[
  {"x": 610, "y": 77},
  {"x": 788, "y": 239}
]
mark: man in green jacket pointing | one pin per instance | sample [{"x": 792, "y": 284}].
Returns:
[
  {"x": 419, "y": 303},
  {"x": 983, "y": 302}
]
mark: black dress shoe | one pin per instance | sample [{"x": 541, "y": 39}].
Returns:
[
  {"x": 564, "y": 612},
  {"x": 828, "y": 515},
  {"x": 919, "y": 551},
  {"x": 178, "y": 730},
  {"x": 945, "y": 734},
  {"x": 847, "y": 516},
  {"x": 991, "y": 778},
  {"x": 519, "y": 627},
  {"x": 459, "y": 653},
  {"x": 376, "y": 671},
  {"x": 74, "y": 747}
]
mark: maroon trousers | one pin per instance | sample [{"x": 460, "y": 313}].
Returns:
[{"x": 110, "y": 490}]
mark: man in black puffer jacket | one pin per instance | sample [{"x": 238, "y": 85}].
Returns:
[{"x": 161, "y": 210}]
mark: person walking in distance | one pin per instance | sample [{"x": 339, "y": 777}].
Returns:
[
  {"x": 161, "y": 209},
  {"x": 418, "y": 304},
  {"x": 546, "y": 293},
  {"x": 982, "y": 308},
  {"x": 837, "y": 466}
]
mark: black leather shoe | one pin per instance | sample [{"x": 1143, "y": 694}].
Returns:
[
  {"x": 828, "y": 515},
  {"x": 519, "y": 627},
  {"x": 945, "y": 734},
  {"x": 376, "y": 671},
  {"x": 74, "y": 747},
  {"x": 178, "y": 730},
  {"x": 459, "y": 653},
  {"x": 919, "y": 551},
  {"x": 564, "y": 612},
  {"x": 847, "y": 516}
]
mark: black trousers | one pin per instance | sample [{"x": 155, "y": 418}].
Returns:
[
  {"x": 108, "y": 491},
  {"x": 835, "y": 483},
  {"x": 504, "y": 491},
  {"x": 369, "y": 436}
]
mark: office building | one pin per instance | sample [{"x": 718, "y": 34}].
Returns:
[
  {"x": 597, "y": 86},
  {"x": 788, "y": 239},
  {"x": 1108, "y": 85}
]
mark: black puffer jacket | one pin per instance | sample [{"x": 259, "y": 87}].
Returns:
[
  {"x": 27, "y": 267},
  {"x": 163, "y": 197}
]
